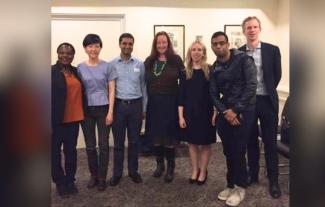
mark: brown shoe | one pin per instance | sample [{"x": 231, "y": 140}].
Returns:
[{"x": 92, "y": 182}]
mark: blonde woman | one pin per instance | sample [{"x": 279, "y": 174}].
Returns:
[{"x": 196, "y": 114}]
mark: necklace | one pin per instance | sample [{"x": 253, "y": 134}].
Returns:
[{"x": 157, "y": 71}]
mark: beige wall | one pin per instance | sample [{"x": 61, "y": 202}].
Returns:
[
  {"x": 198, "y": 21},
  {"x": 282, "y": 39},
  {"x": 140, "y": 20}
]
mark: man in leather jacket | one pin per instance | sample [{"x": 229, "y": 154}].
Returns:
[{"x": 233, "y": 77}]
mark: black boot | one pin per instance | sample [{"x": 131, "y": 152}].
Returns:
[
  {"x": 170, "y": 156},
  {"x": 159, "y": 151}
]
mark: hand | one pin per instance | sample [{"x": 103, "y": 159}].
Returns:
[
  {"x": 235, "y": 122},
  {"x": 231, "y": 117},
  {"x": 182, "y": 123},
  {"x": 143, "y": 115},
  {"x": 214, "y": 117},
  {"x": 109, "y": 119}
]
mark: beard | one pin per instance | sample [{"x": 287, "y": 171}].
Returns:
[{"x": 221, "y": 54}]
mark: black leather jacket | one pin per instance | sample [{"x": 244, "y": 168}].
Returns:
[{"x": 236, "y": 81}]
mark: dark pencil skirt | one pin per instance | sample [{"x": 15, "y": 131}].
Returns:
[{"x": 162, "y": 119}]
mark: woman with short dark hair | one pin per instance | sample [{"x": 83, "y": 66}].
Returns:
[{"x": 99, "y": 82}]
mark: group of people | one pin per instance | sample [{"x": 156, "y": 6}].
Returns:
[{"x": 188, "y": 101}]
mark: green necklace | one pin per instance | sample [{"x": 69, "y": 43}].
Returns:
[{"x": 158, "y": 68}]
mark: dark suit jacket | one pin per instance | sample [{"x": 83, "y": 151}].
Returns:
[{"x": 271, "y": 66}]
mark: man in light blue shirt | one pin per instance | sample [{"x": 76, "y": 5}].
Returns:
[
  {"x": 130, "y": 107},
  {"x": 267, "y": 58}
]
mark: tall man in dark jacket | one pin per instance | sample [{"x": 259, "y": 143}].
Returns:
[
  {"x": 268, "y": 62},
  {"x": 234, "y": 78}
]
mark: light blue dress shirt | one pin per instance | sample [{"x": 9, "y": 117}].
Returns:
[
  {"x": 130, "y": 83},
  {"x": 257, "y": 55},
  {"x": 95, "y": 80}
]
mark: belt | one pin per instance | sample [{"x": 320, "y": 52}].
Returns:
[{"x": 130, "y": 101}]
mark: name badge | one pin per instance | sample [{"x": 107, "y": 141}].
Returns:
[{"x": 136, "y": 70}]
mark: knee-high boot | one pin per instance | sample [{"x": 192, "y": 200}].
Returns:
[
  {"x": 170, "y": 156},
  {"x": 159, "y": 151}
]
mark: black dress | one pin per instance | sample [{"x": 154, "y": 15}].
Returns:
[
  {"x": 162, "y": 117},
  {"x": 195, "y": 97}
]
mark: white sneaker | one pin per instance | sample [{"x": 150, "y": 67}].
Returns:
[
  {"x": 224, "y": 195},
  {"x": 237, "y": 196}
]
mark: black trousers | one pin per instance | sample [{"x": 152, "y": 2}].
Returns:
[
  {"x": 234, "y": 141},
  {"x": 65, "y": 135},
  {"x": 127, "y": 118},
  {"x": 98, "y": 164},
  {"x": 268, "y": 118}
]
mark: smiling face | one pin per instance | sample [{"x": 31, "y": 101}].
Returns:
[
  {"x": 197, "y": 53},
  {"x": 252, "y": 29},
  {"x": 65, "y": 55},
  {"x": 93, "y": 50},
  {"x": 162, "y": 44},
  {"x": 126, "y": 46}
]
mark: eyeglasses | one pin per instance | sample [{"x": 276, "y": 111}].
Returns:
[{"x": 221, "y": 43}]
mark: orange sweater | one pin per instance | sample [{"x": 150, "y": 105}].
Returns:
[{"x": 73, "y": 108}]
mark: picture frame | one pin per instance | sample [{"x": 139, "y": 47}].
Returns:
[
  {"x": 176, "y": 34},
  {"x": 235, "y": 35}
]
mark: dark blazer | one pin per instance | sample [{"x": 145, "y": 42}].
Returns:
[
  {"x": 59, "y": 93},
  {"x": 271, "y": 66}
]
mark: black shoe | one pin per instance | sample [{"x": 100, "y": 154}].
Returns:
[
  {"x": 192, "y": 181},
  {"x": 201, "y": 182},
  {"x": 101, "y": 185},
  {"x": 72, "y": 188},
  {"x": 92, "y": 182},
  {"x": 252, "y": 179},
  {"x": 114, "y": 181},
  {"x": 62, "y": 191},
  {"x": 275, "y": 191},
  {"x": 135, "y": 177}
]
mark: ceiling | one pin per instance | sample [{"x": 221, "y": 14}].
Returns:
[{"x": 166, "y": 3}]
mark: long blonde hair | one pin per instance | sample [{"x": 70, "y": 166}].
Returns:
[{"x": 189, "y": 62}]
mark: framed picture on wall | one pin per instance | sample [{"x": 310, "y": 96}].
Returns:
[
  {"x": 235, "y": 35},
  {"x": 176, "y": 34}
]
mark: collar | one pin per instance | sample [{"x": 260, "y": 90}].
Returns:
[
  {"x": 119, "y": 59},
  {"x": 258, "y": 47}
]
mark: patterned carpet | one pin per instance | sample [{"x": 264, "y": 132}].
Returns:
[{"x": 154, "y": 192}]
